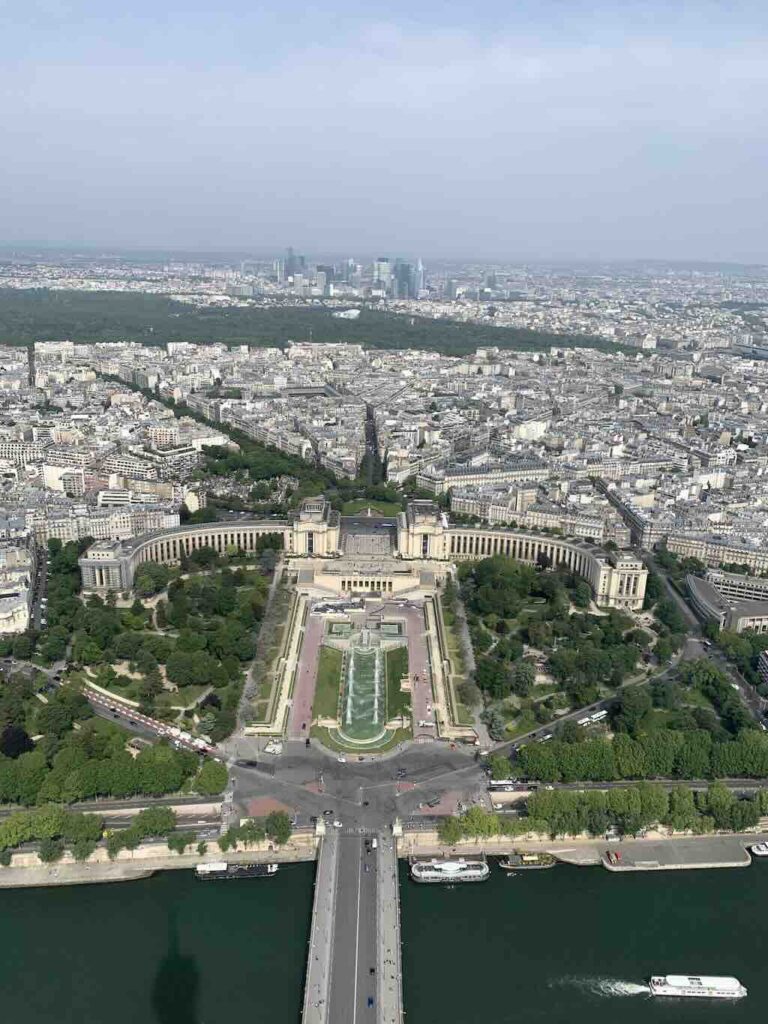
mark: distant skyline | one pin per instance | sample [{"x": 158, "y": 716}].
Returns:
[{"x": 561, "y": 130}]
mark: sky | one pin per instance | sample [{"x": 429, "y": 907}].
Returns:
[{"x": 557, "y": 129}]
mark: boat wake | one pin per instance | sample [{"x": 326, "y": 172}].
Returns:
[{"x": 605, "y": 987}]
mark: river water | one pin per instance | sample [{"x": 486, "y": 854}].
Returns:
[
  {"x": 165, "y": 950},
  {"x": 568, "y": 945},
  {"x": 575, "y": 945}
]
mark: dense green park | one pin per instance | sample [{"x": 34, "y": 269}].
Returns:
[
  {"x": 33, "y": 315},
  {"x": 510, "y": 605},
  {"x": 692, "y": 726}
]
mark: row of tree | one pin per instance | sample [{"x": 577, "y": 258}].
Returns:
[
  {"x": 52, "y": 827},
  {"x": 629, "y": 810},
  {"x": 276, "y": 827},
  {"x": 634, "y": 809},
  {"x": 660, "y": 753},
  {"x": 90, "y": 762}
]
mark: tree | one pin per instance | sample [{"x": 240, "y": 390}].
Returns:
[
  {"x": 14, "y": 740},
  {"x": 634, "y": 705},
  {"x": 179, "y": 841},
  {"x": 50, "y": 850},
  {"x": 212, "y": 778},
  {"x": 82, "y": 849},
  {"x": 468, "y": 693},
  {"x": 570, "y": 731},
  {"x": 582, "y": 594},
  {"x": 499, "y": 766},
  {"x": 494, "y": 720},
  {"x": 449, "y": 831},
  {"x": 523, "y": 678},
  {"x": 278, "y": 827},
  {"x": 669, "y": 615},
  {"x": 23, "y": 647}
]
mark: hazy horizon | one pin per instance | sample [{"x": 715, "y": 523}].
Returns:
[{"x": 549, "y": 132}]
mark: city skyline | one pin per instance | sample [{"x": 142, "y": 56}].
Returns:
[{"x": 540, "y": 133}]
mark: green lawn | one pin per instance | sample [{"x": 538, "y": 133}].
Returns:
[
  {"x": 522, "y": 725},
  {"x": 185, "y": 697},
  {"x": 397, "y": 667},
  {"x": 326, "y": 702},
  {"x": 381, "y": 508}
]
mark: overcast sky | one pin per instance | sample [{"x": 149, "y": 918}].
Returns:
[{"x": 548, "y": 129}]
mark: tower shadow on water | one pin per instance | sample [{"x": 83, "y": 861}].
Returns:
[{"x": 176, "y": 988}]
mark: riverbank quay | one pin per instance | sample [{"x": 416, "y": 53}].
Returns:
[
  {"x": 651, "y": 853},
  {"x": 26, "y": 869}
]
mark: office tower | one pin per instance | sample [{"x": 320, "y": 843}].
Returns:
[
  {"x": 451, "y": 288},
  {"x": 349, "y": 270},
  {"x": 294, "y": 264},
  {"x": 382, "y": 273},
  {"x": 403, "y": 280},
  {"x": 419, "y": 279}
]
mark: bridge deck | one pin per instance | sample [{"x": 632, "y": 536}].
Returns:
[{"x": 353, "y": 972}]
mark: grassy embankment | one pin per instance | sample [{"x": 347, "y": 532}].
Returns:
[{"x": 328, "y": 685}]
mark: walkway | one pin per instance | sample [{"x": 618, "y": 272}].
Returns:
[
  {"x": 390, "y": 986},
  {"x": 300, "y": 717},
  {"x": 320, "y": 956}
]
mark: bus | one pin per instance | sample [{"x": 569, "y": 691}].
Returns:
[{"x": 598, "y": 716}]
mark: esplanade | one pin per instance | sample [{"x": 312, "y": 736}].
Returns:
[{"x": 422, "y": 534}]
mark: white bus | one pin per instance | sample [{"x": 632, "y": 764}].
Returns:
[{"x": 598, "y": 716}]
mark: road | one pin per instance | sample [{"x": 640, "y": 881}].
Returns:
[
  {"x": 40, "y": 590},
  {"x": 752, "y": 700},
  {"x": 368, "y": 793},
  {"x": 353, "y": 970}
]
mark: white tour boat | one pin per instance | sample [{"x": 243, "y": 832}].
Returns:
[
  {"x": 696, "y": 987},
  {"x": 449, "y": 871},
  {"x": 759, "y": 849}
]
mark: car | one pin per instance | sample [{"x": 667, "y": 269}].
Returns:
[
  {"x": 341, "y": 759},
  {"x": 328, "y": 814},
  {"x": 371, "y": 970},
  {"x": 370, "y": 1001},
  {"x": 338, "y": 824}
]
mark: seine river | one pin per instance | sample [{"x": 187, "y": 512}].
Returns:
[
  {"x": 573, "y": 946},
  {"x": 567, "y": 945}
]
